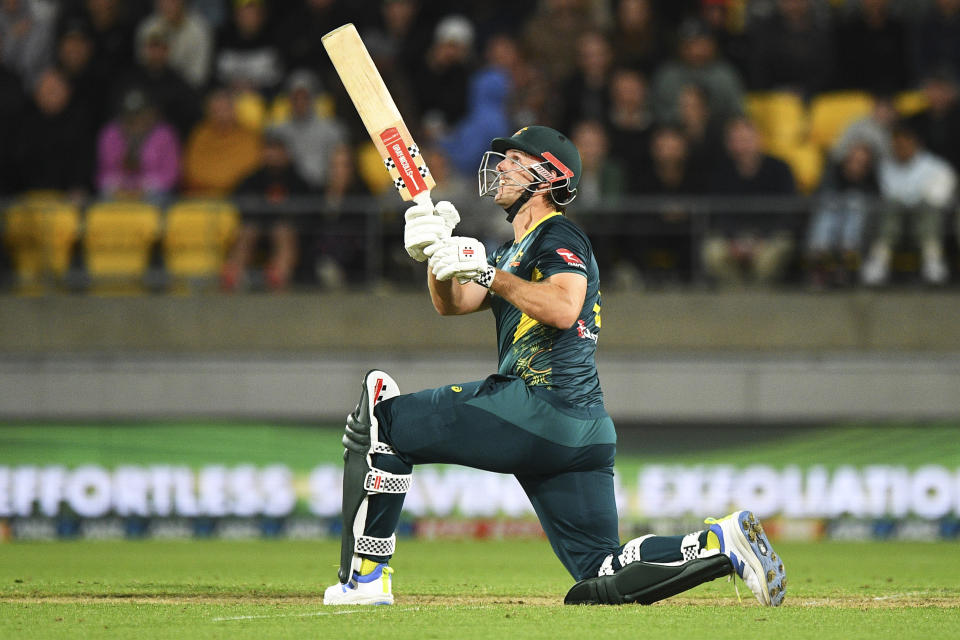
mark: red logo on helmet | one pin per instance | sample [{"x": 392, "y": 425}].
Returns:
[{"x": 571, "y": 259}]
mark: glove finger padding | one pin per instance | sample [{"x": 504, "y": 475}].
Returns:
[
  {"x": 422, "y": 231},
  {"x": 417, "y": 211},
  {"x": 449, "y": 213}
]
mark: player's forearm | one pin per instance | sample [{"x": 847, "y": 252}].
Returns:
[
  {"x": 545, "y": 302},
  {"x": 449, "y": 296}
]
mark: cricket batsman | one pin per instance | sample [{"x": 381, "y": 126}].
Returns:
[{"x": 540, "y": 417}]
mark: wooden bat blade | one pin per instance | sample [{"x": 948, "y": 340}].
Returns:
[{"x": 379, "y": 113}]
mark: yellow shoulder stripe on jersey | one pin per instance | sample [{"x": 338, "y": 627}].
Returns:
[{"x": 537, "y": 224}]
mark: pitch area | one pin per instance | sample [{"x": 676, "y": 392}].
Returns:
[{"x": 257, "y": 589}]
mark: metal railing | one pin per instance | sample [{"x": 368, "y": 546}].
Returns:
[{"x": 369, "y": 230}]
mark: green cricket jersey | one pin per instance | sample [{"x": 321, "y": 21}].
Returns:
[{"x": 562, "y": 360}]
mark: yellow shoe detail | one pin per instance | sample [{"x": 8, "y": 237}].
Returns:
[
  {"x": 386, "y": 579},
  {"x": 713, "y": 542}
]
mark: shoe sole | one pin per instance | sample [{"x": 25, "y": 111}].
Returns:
[{"x": 753, "y": 547}]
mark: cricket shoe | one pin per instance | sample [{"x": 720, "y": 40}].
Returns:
[
  {"x": 373, "y": 588},
  {"x": 743, "y": 541}
]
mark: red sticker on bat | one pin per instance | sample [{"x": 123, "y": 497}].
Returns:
[
  {"x": 400, "y": 154},
  {"x": 571, "y": 259}
]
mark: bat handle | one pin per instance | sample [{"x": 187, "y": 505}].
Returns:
[{"x": 423, "y": 199}]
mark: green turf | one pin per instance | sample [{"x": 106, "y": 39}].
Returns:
[
  {"x": 257, "y": 589},
  {"x": 303, "y": 447}
]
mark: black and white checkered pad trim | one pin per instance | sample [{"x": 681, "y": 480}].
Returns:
[{"x": 376, "y": 546}]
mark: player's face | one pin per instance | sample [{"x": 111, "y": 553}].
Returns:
[{"x": 514, "y": 176}]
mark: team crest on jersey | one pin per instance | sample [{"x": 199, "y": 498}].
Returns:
[{"x": 571, "y": 259}]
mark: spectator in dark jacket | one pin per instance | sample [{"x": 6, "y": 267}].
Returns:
[
  {"x": 791, "y": 50},
  {"x": 274, "y": 183},
  {"x": 938, "y": 37},
  {"x": 177, "y": 101},
  {"x": 872, "y": 50},
  {"x": 742, "y": 248},
  {"x": 55, "y": 143}
]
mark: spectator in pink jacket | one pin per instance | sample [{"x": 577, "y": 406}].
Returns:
[{"x": 138, "y": 154}]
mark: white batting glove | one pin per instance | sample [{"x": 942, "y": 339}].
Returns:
[
  {"x": 425, "y": 227},
  {"x": 462, "y": 258}
]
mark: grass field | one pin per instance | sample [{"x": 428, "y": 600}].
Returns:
[
  {"x": 273, "y": 589},
  {"x": 490, "y": 589}
]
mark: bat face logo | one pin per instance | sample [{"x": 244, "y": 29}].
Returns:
[{"x": 400, "y": 154}]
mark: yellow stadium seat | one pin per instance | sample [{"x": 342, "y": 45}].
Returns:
[
  {"x": 251, "y": 110},
  {"x": 280, "y": 108},
  {"x": 197, "y": 236},
  {"x": 806, "y": 161},
  {"x": 117, "y": 242},
  {"x": 831, "y": 113},
  {"x": 40, "y": 234},
  {"x": 909, "y": 103},
  {"x": 781, "y": 118},
  {"x": 371, "y": 169}
]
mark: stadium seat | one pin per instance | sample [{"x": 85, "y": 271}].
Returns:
[
  {"x": 251, "y": 110},
  {"x": 280, "y": 108},
  {"x": 780, "y": 117},
  {"x": 40, "y": 234},
  {"x": 831, "y": 113},
  {"x": 196, "y": 238},
  {"x": 117, "y": 242},
  {"x": 370, "y": 166},
  {"x": 806, "y": 161},
  {"x": 909, "y": 103}
]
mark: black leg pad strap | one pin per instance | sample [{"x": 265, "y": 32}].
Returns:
[
  {"x": 355, "y": 470},
  {"x": 647, "y": 583}
]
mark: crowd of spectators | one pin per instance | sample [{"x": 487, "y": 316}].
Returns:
[{"x": 167, "y": 99}]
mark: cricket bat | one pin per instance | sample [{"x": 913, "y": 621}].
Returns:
[{"x": 379, "y": 113}]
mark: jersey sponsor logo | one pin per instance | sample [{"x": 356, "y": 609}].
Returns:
[
  {"x": 583, "y": 331},
  {"x": 570, "y": 258}
]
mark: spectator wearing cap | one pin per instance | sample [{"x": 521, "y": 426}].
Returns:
[
  {"x": 872, "y": 130},
  {"x": 177, "y": 101},
  {"x": 917, "y": 188},
  {"x": 791, "y": 50},
  {"x": 311, "y": 139},
  {"x": 441, "y": 84},
  {"x": 220, "y": 150},
  {"x": 190, "y": 39},
  {"x": 138, "y": 154},
  {"x": 939, "y": 124},
  {"x": 697, "y": 62},
  {"x": 272, "y": 184},
  {"x": 27, "y": 39},
  {"x": 247, "y": 54}
]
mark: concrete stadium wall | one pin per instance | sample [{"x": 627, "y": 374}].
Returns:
[
  {"x": 405, "y": 322},
  {"x": 663, "y": 357}
]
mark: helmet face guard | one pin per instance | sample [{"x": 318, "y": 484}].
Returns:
[{"x": 549, "y": 170}]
